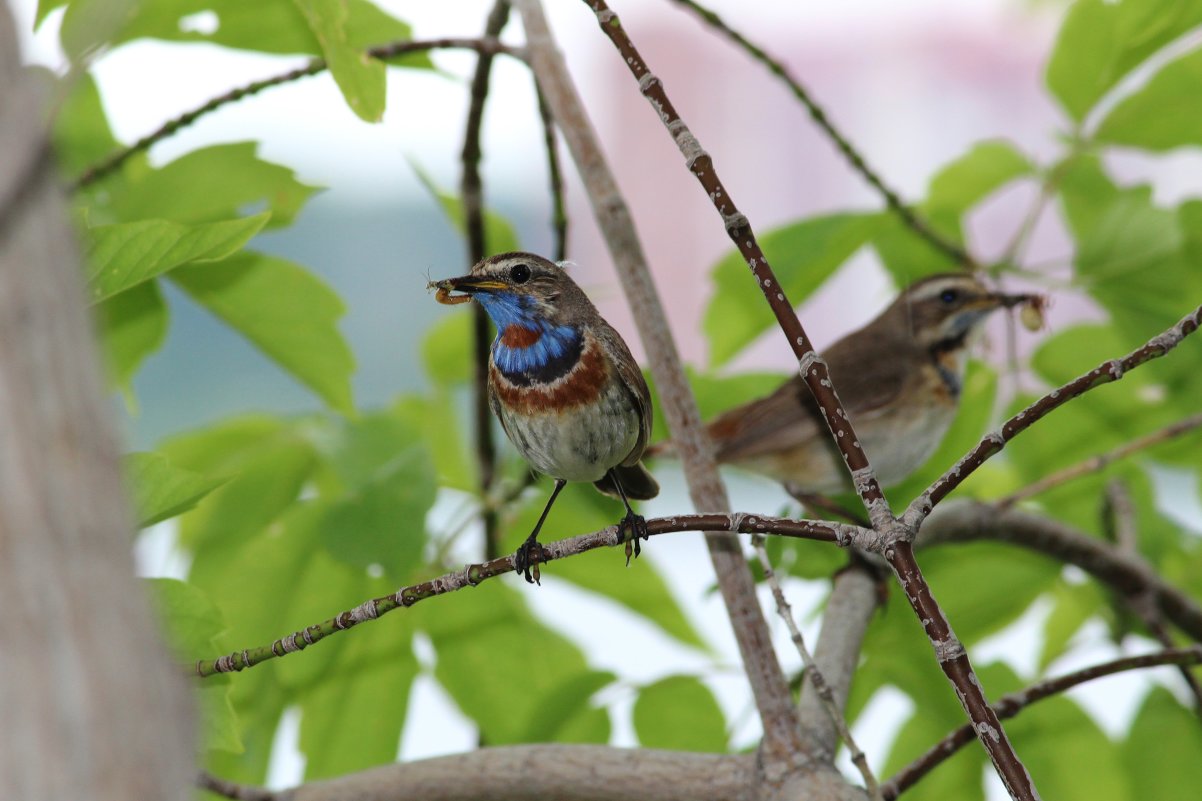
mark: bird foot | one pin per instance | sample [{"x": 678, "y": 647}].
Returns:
[
  {"x": 527, "y": 558},
  {"x": 632, "y": 528}
]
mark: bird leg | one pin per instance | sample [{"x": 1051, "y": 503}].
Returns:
[
  {"x": 530, "y": 552},
  {"x": 632, "y": 527}
]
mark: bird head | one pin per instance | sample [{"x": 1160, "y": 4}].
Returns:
[
  {"x": 520, "y": 289},
  {"x": 944, "y": 309}
]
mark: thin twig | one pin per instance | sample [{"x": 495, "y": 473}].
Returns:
[
  {"x": 473, "y": 574},
  {"x": 993, "y": 442},
  {"x": 890, "y": 536},
  {"x": 317, "y": 65},
  {"x": 232, "y": 790},
  {"x": 472, "y": 193},
  {"x": 1095, "y": 463},
  {"x": 1010, "y": 705},
  {"x": 853, "y": 156},
  {"x": 559, "y": 213},
  {"x": 813, "y": 673}
]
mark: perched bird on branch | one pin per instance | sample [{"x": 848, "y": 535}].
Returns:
[
  {"x": 899, "y": 378},
  {"x": 562, "y": 382}
]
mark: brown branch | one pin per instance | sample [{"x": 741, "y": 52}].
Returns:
[
  {"x": 1127, "y": 574},
  {"x": 472, "y": 193},
  {"x": 892, "y": 537},
  {"x": 473, "y": 574},
  {"x": 781, "y": 745},
  {"x": 233, "y": 790},
  {"x": 549, "y": 772},
  {"x": 1102, "y": 460},
  {"x": 112, "y": 162},
  {"x": 993, "y": 442},
  {"x": 1010, "y": 705},
  {"x": 853, "y": 156}
]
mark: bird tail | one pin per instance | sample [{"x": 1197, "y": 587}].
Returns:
[{"x": 637, "y": 482}]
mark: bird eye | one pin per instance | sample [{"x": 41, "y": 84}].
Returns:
[
  {"x": 519, "y": 273},
  {"x": 949, "y": 296}
]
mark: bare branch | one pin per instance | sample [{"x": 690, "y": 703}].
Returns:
[
  {"x": 782, "y": 744},
  {"x": 993, "y": 442},
  {"x": 472, "y": 575},
  {"x": 853, "y": 156},
  {"x": 317, "y": 65},
  {"x": 548, "y": 773},
  {"x": 233, "y": 790},
  {"x": 1099, "y": 462},
  {"x": 1010, "y": 705}
]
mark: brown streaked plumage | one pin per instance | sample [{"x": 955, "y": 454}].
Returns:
[{"x": 898, "y": 378}]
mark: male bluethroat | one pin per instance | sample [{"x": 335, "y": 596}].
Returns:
[
  {"x": 899, "y": 378},
  {"x": 562, "y": 382}
]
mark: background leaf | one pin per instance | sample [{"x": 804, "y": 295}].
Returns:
[{"x": 679, "y": 713}]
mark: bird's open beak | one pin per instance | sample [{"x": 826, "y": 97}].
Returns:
[{"x": 466, "y": 284}]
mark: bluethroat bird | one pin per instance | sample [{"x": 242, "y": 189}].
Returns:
[
  {"x": 562, "y": 382},
  {"x": 899, "y": 378}
]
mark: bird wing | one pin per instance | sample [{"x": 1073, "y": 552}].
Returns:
[
  {"x": 790, "y": 417},
  {"x": 632, "y": 379}
]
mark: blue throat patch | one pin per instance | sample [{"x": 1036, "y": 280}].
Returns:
[{"x": 553, "y": 355}]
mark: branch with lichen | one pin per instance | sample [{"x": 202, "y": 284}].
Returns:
[{"x": 473, "y": 574}]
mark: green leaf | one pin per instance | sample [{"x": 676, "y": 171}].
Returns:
[
  {"x": 1015, "y": 578},
  {"x": 124, "y": 255},
  {"x": 351, "y": 725},
  {"x": 268, "y": 26},
  {"x": 440, "y": 421},
  {"x": 389, "y": 487},
  {"x": 1162, "y": 747},
  {"x": 971, "y": 178},
  {"x": 133, "y": 325},
  {"x": 907, "y": 255},
  {"x": 566, "y": 717},
  {"x": 1055, "y": 733},
  {"x": 161, "y": 490},
  {"x": 580, "y": 509},
  {"x": 44, "y": 9},
  {"x": 213, "y": 183},
  {"x": 1164, "y": 114},
  {"x": 447, "y": 349},
  {"x": 267, "y": 463},
  {"x": 194, "y": 626},
  {"x": 89, "y": 24},
  {"x": 499, "y": 236},
  {"x": 679, "y": 713},
  {"x": 82, "y": 135},
  {"x": 803, "y": 255},
  {"x": 489, "y": 632},
  {"x": 1074, "y": 604},
  {"x": 287, "y": 312},
  {"x": 359, "y": 77},
  {"x": 1100, "y": 42}
]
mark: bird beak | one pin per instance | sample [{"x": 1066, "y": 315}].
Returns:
[
  {"x": 467, "y": 284},
  {"x": 1010, "y": 301}
]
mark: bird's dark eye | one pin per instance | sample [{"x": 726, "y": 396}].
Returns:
[
  {"x": 519, "y": 273},
  {"x": 949, "y": 296}
]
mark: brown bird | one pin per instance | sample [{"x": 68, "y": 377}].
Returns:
[{"x": 899, "y": 378}]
